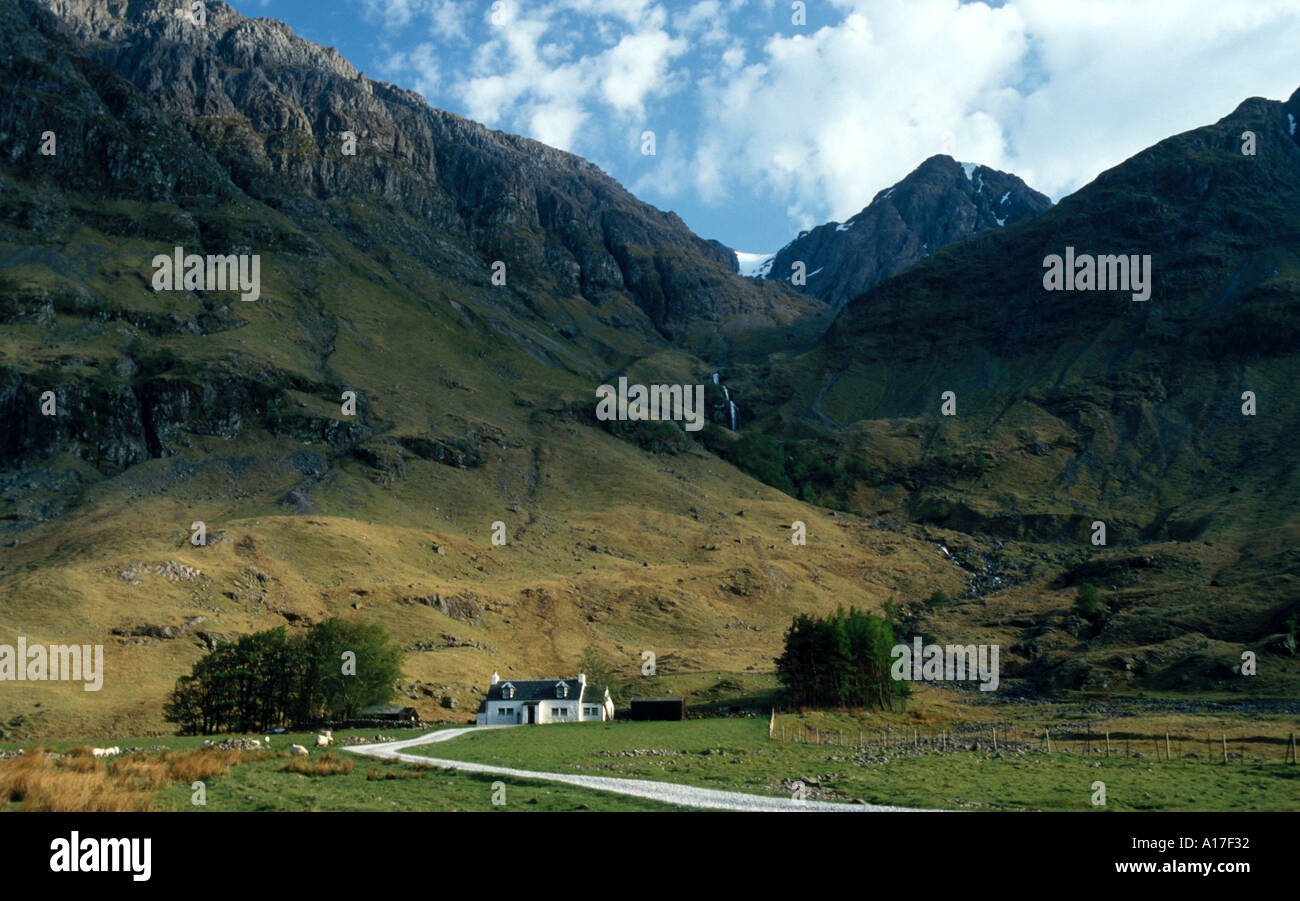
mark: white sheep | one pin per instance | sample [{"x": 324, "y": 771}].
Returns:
[
  {"x": 324, "y": 739},
  {"x": 106, "y": 752},
  {"x": 297, "y": 750}
]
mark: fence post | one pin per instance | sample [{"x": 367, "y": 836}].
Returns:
[
  {"x": 1166, "y": 746},
  {"x": 1292, "y": 748},
  {"x": 1225, "y": 747},
  {"x": 1108, "y": 744},
  {"x": 1047, "y": 737},
  {"x": 995, "y": 739}
]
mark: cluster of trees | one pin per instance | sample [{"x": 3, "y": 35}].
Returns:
[
  {"x": 840, "y": 661},
  {"x": 802, "y": 468},
  {"x": 271, "y": 679}
]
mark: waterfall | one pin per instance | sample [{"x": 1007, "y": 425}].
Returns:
[{"x": 731, "y": 407}]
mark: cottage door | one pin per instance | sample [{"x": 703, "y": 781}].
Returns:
[{"x": 532, "y": 713}]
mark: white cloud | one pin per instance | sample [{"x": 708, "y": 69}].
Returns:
[
  {"x": 636, "y": 67},
  {"x": 450, "y": 18},
  {"x": 1122, "y": 76},
  {"x": 393, "y": 14},
  {"x": 1053, "y": 90},
  {"x": 815, "y": 120},
  {"x": 824, "y": 117}
]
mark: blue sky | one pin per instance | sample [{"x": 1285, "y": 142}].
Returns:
[{"x": 764, "y": 125}]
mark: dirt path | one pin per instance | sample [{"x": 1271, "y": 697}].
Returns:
[{"x": 672, "y": 793}]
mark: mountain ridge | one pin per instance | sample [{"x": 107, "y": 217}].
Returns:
[{"x": 940, "y": 202}]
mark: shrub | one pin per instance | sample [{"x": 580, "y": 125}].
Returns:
[
  {"x": 327, "y": 765},
  {"x": 1088, "y": 602}
]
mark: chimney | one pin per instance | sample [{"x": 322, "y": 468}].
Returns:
[
  {"x": 582, "y": 679},
  {"x": 495, "y": 678}
]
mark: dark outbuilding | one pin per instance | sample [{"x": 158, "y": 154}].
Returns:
[{"x": 657, "y": 708}]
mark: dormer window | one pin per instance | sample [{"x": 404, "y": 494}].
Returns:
[
  {"x": 507, "y": 691},
  {"x": 561, "y": 689}
]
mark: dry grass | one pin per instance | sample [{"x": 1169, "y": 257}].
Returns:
[
  {"x": 80, "y": 782},
  {"x": 75, "y": 783},
  {"x": 328, "y": 765},
  {"x": 417, "y": 771}
]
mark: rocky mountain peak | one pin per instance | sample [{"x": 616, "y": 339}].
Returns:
[{"x": 942, "y": 201}]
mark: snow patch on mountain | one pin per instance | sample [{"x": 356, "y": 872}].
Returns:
[{"x": 754, "y": 265}]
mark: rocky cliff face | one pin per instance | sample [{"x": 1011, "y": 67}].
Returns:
[
  {"x": 941, "y": 202},
  {"x": 270, "y": 110}
]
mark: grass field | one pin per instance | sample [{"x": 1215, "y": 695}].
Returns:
[
  {"x": 722, "y": 753},
  {"x": 382, "y": 786},
  {"x": 161, "y": 777},
  {"x": 735, "y": 753}
]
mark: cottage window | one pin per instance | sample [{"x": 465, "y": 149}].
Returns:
[
  {"x": 506, "y": 711},
  {"x": 507, "y": 691},
  {"x": 561, "y": 690}
]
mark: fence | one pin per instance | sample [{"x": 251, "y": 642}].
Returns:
[{"x": 1097, "y": 740}]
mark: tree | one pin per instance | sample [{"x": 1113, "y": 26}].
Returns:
[
  {"x": 600, "y": 675},
  {"x": 1089, "y": 602},
  {"x": 840, "y": 661},
  {"x": 270, "y": 678},
  {"x": 337, "y": 686}
]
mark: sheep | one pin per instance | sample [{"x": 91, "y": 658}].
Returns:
[
  {"x": 324, "y": 739},
  {"x": 106, "y": 752},
  {"x": 297, "y": 750}
]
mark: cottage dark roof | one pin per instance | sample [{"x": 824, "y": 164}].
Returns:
[{"x": 542, "y": 690}]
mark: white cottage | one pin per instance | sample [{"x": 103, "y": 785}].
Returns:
[{"x": 533, "y": 701}]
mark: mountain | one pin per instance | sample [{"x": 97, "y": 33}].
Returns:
[
  {"x": 941, "y": 202},
  {"x": 131, "y": 414},
  {"x": 1086, "y": 406},
  {"x": 269, "y": 111}
]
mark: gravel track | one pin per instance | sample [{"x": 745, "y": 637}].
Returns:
[{"x": 672, "y": 793}]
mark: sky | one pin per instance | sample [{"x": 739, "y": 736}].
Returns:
[{"x": 769, "y": 116}]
